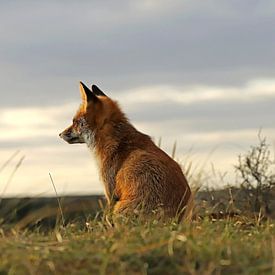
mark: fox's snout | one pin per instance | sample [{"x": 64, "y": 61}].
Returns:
[
  {"x": 63, "y": 135},
  {"x": 71, "y": 136},
  {"x": 66, "y": 135}
]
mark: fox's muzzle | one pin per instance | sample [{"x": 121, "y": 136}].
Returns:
[{"x": 70, "y": 137}]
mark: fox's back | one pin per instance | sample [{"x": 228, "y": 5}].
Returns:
[{"x": 153, "y": 179}]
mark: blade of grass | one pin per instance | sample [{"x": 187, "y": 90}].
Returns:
[
  {"x": 174, "y": 150},
  {"x": 9, "y": 160},
  {"x": 159, "y": 142},
  {"x": 273, "y": 254},
  {"x": 58, "y": 200},
  {"x": 11, "y": 177}
]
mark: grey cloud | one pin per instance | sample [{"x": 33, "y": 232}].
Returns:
[
  {"x": 210, "y": 116},
  {"x": 49, "y": 46}
]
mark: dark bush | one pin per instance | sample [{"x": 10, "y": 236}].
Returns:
[{"x": 256, "y": 173}]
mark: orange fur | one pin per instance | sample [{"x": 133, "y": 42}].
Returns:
[{"x": 137, "y": 175}]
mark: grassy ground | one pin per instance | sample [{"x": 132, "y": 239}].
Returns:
[
  {"x": 225, "y": 236},
  {"x": 238, "y": 245}
]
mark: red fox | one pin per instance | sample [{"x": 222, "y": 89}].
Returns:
[{"x": 138, "y": 176}]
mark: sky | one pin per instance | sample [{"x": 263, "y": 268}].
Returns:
[{"x": 198, "y": 73}]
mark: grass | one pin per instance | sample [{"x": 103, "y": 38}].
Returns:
[
  {"x": 238, "y": 245},
  {"x": 219, "y": 236}
]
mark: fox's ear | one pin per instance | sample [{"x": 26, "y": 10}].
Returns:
[
  {"x": 86, "y": 94},
  {"x": 97, "y": 91}
]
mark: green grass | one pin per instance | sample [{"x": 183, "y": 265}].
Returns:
[
  {"x": 238, "y": 245},
  {"x": 232, "y": 243}
]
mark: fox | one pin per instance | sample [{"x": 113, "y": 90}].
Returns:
[{"x": 138, "y": 176}]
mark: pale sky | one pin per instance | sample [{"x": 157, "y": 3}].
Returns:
[{"x": 201, "y": 73}]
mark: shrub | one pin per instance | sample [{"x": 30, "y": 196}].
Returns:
[{"x": 256, "y": 173}]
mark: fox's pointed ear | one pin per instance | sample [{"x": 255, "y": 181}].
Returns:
[
  {"x": 86, "y": 94},
  {"x": 97, "y": 91}
]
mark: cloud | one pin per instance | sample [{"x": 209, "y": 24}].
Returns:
[
  {"x": 195, "y": 109},
  {"x": 48, "y": 46},
  {"x": 198, "y": 72},
  {"x": 255, "y": 90},
  {"x": 72, "y": 169},
  {"x": 19, "y": 124}
]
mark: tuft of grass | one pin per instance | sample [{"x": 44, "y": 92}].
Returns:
[
  {"x": 205, "y": 246},
  {"x": 221, "y": 239}
]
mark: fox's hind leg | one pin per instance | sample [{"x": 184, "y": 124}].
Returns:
[
  {"x": 137, "y": 208},
  {"x": 126, "y": 207}
]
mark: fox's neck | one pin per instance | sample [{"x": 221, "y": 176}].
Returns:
[
  {"x": 115, "y": 141},
  {"x": 109, "y": 140}
]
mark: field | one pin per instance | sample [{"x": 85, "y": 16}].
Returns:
[
  {"x": 226, "y": 231},
  {"x": 232, "y": 244}
]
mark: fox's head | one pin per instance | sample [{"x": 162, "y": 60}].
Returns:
[{"x": 95, "y": 113}]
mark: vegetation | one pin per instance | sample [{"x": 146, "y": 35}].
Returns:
[
  {"x": 206, "y": 246},
  {"x": 257, "y": 175},
  {"x": 229, "y": 231}
]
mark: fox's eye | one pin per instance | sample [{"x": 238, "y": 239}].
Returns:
[{"x": 81, "y": 123}]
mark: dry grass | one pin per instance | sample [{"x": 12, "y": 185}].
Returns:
[
  {"x": 203, "y": 243},
  {"x": 205, "y": 246}
]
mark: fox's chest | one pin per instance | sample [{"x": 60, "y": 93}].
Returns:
[{"x": 108, "y": 172}]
